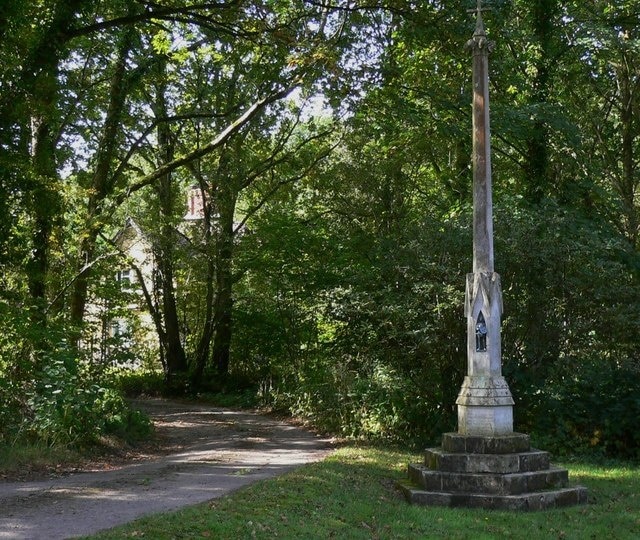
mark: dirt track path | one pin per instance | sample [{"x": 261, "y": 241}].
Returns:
[{"x": 215, "y": 451}]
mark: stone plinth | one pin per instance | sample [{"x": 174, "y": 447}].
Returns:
[
  {"x": 495, "y": 472},
  {"x": 485, "y": 406}
]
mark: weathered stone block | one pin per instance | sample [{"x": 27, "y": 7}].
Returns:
[
  {"x": 485, "y": 406},
  {"x": 429, "y": 480},
  {"x": 425, "y": 478},
  {"x": 485, "y": 421},
  {"x": 425, "y": 498},
  {"x": 503, "y": 444},
  {"x": 536, "y": 460},
  {"x": 415, "y": 474},
  {"x": 571, "y": 496},
  {"x": 514, "y": 484},
  {"x": 491, "y": 483},
  {"x": 493, "y": 463},
  {"x": 438, "y": 459},
  {"x": 472, "y": 483},
  {"x": 556, "y": 498}
]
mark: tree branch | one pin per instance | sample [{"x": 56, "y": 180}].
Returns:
[
  {"x": 252, "y": 211},
  {"x": 78, "y": 275},
  {"x": 159, "y": 13},
  {"x": 223, "y": 137}
]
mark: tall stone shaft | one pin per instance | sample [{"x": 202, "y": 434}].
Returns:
[
  {"x": 485, "y": 405},
  {"x": 482, "y": 198}
]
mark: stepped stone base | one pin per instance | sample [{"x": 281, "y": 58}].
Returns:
[
  {"x": 498, "y": 472},
  {"x": 556, "y": 498}
]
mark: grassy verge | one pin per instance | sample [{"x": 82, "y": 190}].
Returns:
[
  {"x": 352, "y": 495},
  {"x": 22, "y": 461}
]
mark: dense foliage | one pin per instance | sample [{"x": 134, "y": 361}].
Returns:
[{"x": 326, "y": 147}]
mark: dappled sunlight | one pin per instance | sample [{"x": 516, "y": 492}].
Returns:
[
  {"x": 619, "y": 472},
  {"x": 214, "y": 457}
]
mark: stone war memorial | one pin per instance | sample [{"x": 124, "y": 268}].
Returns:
[{"x": 485, "y": 464}]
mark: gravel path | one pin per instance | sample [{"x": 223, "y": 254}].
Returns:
[{"x": 213, "y": 452}]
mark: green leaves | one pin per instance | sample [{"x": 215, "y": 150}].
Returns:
[{"x": 345, "y": 241}]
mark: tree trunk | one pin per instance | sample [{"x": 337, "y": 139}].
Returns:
[
  {"x": 176, "y": 361},
  {"x": 224, "y": 281},
  {"x": 101, "y": 183},
  {"x": 45, "y": 206},
  {"x": 542, "y": 339},
  {"x": 628, "y": 184},
  {"x": 204, "y": 343},
  {"x": 44, "y": 200},
  {"x": 39, "y": 81},
  {"x": 537, "y": 169},
  {"x": 80, "y": 289}
]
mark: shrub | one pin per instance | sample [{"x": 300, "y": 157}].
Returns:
[
  {"x": 50, "y": 397},
  {"x": 67, "y": 408},
  {"x": 590, "y": 407},
  {"x": 136, "y": 383}
]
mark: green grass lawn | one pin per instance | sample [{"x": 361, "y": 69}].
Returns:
[{"x": 352, "y": 495}]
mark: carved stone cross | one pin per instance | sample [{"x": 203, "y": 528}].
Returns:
[
  {"x": 485, "y": 405},
  {"x": 479, "y": 9},
  {"x": 486, "y": 464},
  {"x": 479, "y": 24}
]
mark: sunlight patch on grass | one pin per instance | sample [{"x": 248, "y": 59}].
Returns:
[{"x": 603, "y": 472}]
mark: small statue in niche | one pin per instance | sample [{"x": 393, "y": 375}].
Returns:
[{"x": 481, "y": 334}]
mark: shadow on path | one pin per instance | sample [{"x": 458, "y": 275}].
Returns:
[{"x": 216, "y": 452}]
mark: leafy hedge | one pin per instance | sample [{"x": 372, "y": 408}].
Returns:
[
  {"x": 48, "y": 396},
  {"x": 373, "y": 345}
]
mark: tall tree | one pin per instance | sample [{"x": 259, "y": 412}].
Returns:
[
  {"x": 107, "y": 141},
  {"x": 607, "y": 43},
  {"x": 544, "y": 21},
  {"x": 165, "y": 188},
  {"x": 41, "y": 86}
]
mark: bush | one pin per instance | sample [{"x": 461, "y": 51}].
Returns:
[
  {"x": 590, "y": 407},
  {"x": 136, "y": 383},
  {"x": 382, "y": 405},
  {"x": 571, "y": 349},
  {"x": 67, "y": 408},
  {"x": 50, "y": 397}
]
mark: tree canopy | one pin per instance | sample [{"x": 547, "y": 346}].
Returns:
[{"x": 326, "y": 145}]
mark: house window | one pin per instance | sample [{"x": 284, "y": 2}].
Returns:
[
  {"x": 124, "y": 276},
  {"x": 195, "y": 204}
]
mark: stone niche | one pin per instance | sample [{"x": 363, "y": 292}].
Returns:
[{"x": 491, "y": 472}]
